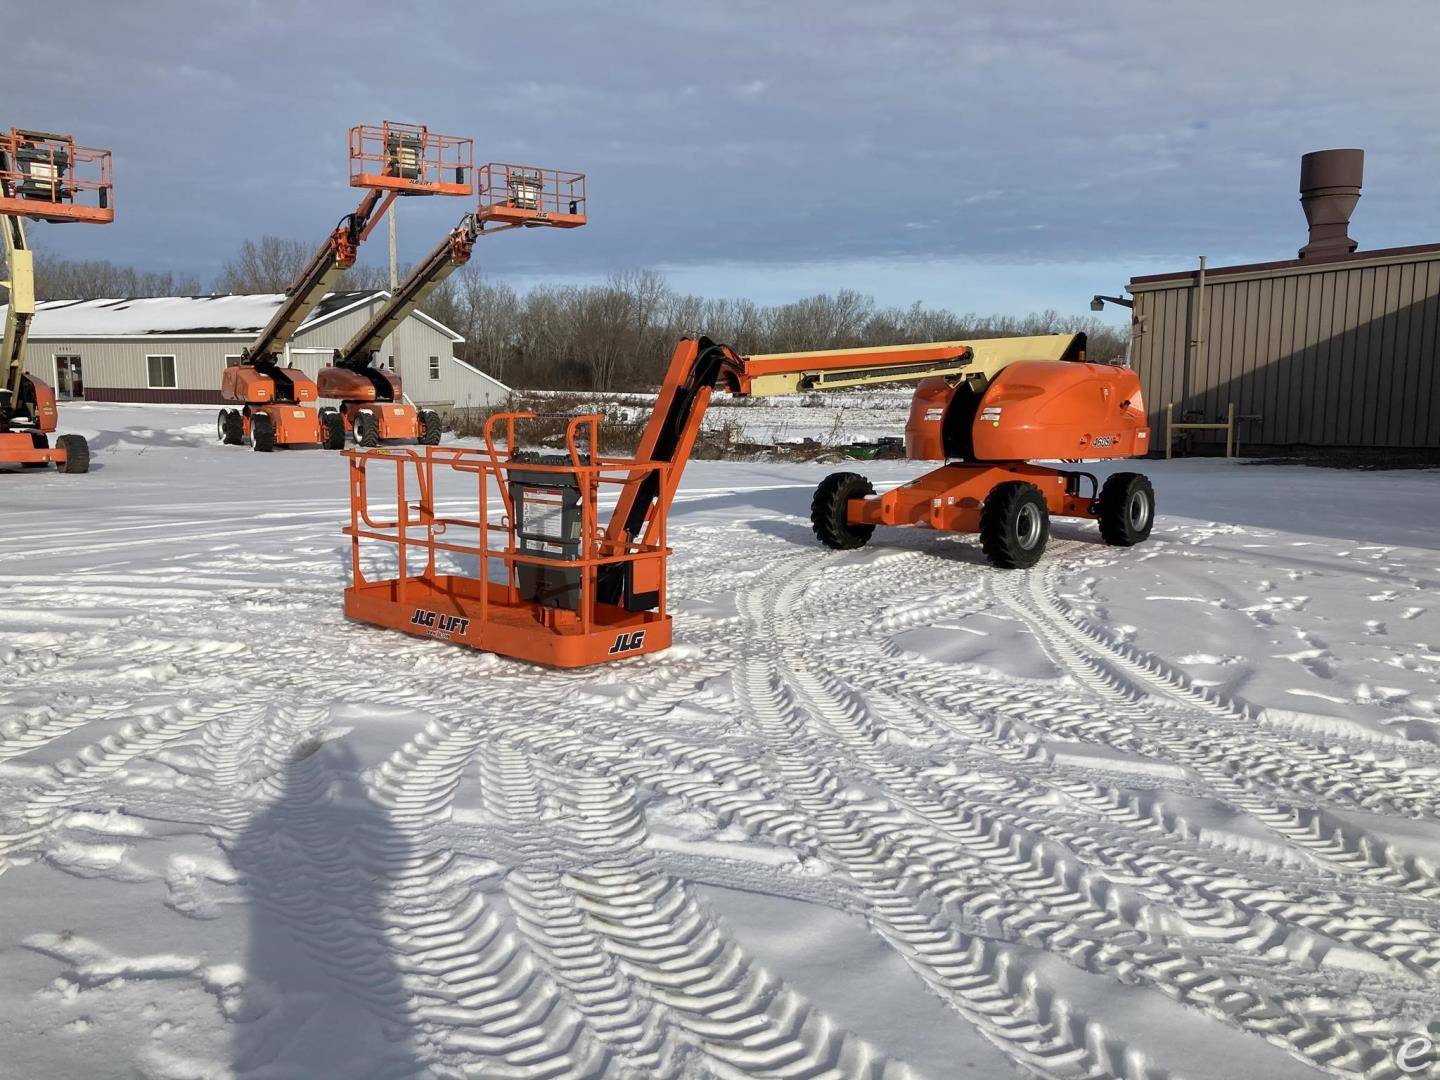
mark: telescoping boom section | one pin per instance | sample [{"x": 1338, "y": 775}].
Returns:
[
  {"x": 560, "y": 584},
  {"x": 389, "y": 161},
  {"x": 44, "y": 177}
]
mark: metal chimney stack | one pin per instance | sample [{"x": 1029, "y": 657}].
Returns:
[{"x": 1329, "y": 190}]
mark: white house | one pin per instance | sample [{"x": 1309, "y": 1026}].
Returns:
[{"x": 174, "y": 348}]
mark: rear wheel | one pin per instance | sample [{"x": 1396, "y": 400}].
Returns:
[
  {"x": 367, "y": 430},
  {"x": 1127, "y": 509},
  {"x": 1014, "y": 525},
  {"x": 77, "y": 454},
  {"x": 429, "y": 428},
  {"x": 231, "y": 427},
  {"x": 827, "y": 511},
  {"x": 332, "y": 426},
  {"x": 262, "y": 433}
]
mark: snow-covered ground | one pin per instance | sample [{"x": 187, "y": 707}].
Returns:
[{"x": 1162, "y": 811}]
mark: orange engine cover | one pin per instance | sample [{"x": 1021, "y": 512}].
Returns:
[
  {"x": 242, "y": 382},
  {"x": 347, "y": 385},
  {"x": 1037, "y": 409}
]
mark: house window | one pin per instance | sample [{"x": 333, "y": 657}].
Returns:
[
  {"x": 161, "y": 371},
  {"x": 434, "y": 367}
]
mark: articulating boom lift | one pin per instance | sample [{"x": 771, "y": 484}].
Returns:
[
  {"x": 390, "y": 160},
  {"x": 572, "y": 591},
  {"x": 372, "y": 406},
  {"x": 45, "y": 177}
]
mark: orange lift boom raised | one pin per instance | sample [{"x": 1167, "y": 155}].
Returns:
[
  {"x": 573, "y": 591},
  {"x": 372, "y": 405},
  {"x": 44, "y": 177},
  {"x": 389, "y": 160}
]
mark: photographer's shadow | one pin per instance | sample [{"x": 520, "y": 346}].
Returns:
[{"x": 324, "y": 992}]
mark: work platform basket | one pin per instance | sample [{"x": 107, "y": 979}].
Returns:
[
  {"x": 531, "y": 196},
  {"x": 530, "y": 572},
  {"x": 48, "y": 177},
  {"x": 410, "y": 159}
]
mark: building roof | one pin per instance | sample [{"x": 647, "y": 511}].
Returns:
[
  {"x": 1334, "y": 262},
  {"x": 190, "y": 316}
]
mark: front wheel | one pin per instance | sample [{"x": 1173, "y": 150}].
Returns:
[
  {"x": 828, "y": 511},
  {"x": 429, "y": 428},
  {"x": 367, "y": 430},
  {"x": 1014, "y": 525},
  {"x": 1127, "y": 509},
  {"x": 77, "y": 454}
]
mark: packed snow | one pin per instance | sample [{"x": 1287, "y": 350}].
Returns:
[{"x": 889, "y": 813}]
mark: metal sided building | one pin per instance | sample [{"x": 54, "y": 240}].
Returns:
[
  {"x": 1334, "y": 349},
  {"x": 173, "y": 349}
]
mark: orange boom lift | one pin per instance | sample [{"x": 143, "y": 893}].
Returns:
[
  {"x": 45, "y": 177},
  {"x": 389, "y": 160},
  {"x": 372, "y": 406},
  {"x": 547, "y": 580}
]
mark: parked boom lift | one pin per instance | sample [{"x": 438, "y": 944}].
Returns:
[
  {"x": 389, "y": 160},
  {"x": 573, "y": 591},
  {"x": 48, "y": 178},
  {"x": 372, "y": 404}
]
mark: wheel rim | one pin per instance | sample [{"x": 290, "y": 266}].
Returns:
[
  {"x": 1139, "y": 509},
  {"x": 1027, "y": 526}
]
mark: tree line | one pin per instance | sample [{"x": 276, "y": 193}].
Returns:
[{"x": 615, "y": 335}]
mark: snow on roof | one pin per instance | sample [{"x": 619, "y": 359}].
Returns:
[{"x": 229, "y": 314}]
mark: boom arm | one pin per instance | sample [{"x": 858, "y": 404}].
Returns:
[
  {"x": 336, "y": 254},
  {"x": 448, "y": 256}
]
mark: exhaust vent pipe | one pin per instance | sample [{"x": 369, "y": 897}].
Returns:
[{"x": 1329, "y": 190}]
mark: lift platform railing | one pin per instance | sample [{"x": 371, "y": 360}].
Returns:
[
  {"x": 47, "y": 176},
  {"x": 531, "y": 196},
  {"x": 527, "y": 557},
  {"x": 411, "y": 159}
]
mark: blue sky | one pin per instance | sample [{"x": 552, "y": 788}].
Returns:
[{"x": 987, "y": 157}]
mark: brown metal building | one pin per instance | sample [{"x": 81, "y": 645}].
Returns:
[{"x": 1334, "y": 349}]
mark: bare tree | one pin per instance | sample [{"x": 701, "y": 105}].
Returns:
[
  {"x": 265, "y": 266},
  {"x": 92, "y": 279}
]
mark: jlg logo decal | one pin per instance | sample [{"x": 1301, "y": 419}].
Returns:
[
  {"x": 438, "y": 624},
  {"x": 628, "y": 642}
]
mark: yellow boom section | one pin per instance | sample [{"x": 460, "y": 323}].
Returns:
[{"x": 829, "y": 369}]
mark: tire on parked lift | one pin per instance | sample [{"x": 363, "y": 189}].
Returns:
[
  {"x": 332, "y": 430},
  {"x": 367, "y": 429},
  {"x": 262, "y": 433},
  {"x": 1127, "y": 509},
  {"x": 1014, "y": 525},
  {"x": 231, "y": 427},
  {"x": 827, "y": 511},
  {"x": 77, "y": 454},
  {"x": 429, "y": 427}
]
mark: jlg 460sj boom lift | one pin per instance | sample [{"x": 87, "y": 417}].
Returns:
[
  {"x": 389, "y": 160},
  {"x": 49, "y": 178},
  {"x": 557, "y": 585},
  {"x": 372, "y": 406}
]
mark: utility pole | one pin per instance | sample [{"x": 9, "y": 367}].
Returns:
[
  {"x": 394, "y": 267},
  {"x": 394, "y": 281}
]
